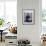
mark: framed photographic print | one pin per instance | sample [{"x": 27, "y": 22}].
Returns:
[{"x": 28, "y": 16}]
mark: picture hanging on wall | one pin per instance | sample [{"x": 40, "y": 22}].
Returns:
[{"x": 28, "y": 16}]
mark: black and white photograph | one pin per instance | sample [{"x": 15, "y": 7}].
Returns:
[{"x": 28, "y": 16}]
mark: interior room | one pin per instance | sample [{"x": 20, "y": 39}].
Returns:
[{"x": 22, "y": 22}]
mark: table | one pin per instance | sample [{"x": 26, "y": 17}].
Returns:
[{"x": 1, "y": 34}]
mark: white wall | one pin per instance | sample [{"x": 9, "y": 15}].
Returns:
[{"x": 31, "y": 32}]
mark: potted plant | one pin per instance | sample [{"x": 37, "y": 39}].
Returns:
[{"x": 1, "y": 22}]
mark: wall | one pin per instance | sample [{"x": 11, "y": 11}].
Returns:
[{"x": 31, "y": 32}]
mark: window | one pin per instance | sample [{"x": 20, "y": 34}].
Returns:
[
  {"x": 11, "y": 11},
  {"x": 43, "y": 16},
  {"x": 8, "y": 11},
  {"x": 1, "y": 8}
]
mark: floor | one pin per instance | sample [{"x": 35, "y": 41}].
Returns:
[{"x": 2, "y": 43}]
